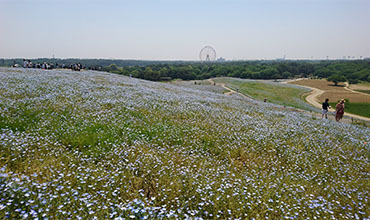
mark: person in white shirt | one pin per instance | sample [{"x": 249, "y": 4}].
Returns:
[{"x": 25, "y": 63}]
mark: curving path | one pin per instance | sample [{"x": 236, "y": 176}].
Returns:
[
  {"x": 230, "y": 91},
  {"x": 351, "y": 90},
  {"x": 312, "y": 98}
]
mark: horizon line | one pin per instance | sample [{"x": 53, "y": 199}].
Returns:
[{"x": 179, "y": 60}]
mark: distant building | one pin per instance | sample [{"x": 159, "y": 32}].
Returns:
[
  {"x": 281, "y": 59},
  {"x": 220, "y": 59}
]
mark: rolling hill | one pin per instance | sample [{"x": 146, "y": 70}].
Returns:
[{"x": 99, "y": 145}]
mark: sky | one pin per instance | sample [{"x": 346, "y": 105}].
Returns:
[{"x": 179, "y": 29}]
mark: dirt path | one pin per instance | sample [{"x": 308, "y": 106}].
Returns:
[
  {"x": 230, "y": 91},
  {"x": 351, "y": 90},
  {"x": 312, "y": 98}
]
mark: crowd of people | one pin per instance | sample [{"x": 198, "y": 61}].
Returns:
[
  {"x": 49, "y": 66},
  {"x": 29, "y": 64},
  {"x": 76, "y": 67},
  {"x": 339, "y": 109}
]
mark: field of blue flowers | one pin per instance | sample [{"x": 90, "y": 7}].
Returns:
[{"x": 94, "y": 145}]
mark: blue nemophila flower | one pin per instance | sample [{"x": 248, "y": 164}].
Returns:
[{"x": 99, "y": 145}]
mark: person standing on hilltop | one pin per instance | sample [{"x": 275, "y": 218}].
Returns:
[
  {"x": 325, "y": 107},
  {"x": 25, "y": 63},
  {"x": 340, "y": 110}
]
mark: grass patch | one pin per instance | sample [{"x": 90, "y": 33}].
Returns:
[
  {"x": 363, "y": 83},
  {"x": 363, "y": 91},
  {"x": 20, "y": 118},
  {"x": 362, "y": 109},
  {"x": 276, "y": 93}
]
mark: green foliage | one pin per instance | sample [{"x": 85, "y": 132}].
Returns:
[
  {"x": 336, "y": 79},
  {"x": 353, "y": 71},
  {"x": 364, "y": 91},
  {"x": 20, "y": 118},
  {"x": 352, "y": 81},
  {"x": 285, "y": 75},
  {"x": 287, "y": 95}
]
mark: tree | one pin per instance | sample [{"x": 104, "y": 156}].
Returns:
[
  {"x": 246, "y": 74},
  {"x": 113, "y": 67},
  {"x": 285, "y": 75},
  {"x": 149, "y": 74},
  {"x": 163, "y": 72},
  {"x": 268, "y": 73},
  {"x": 363, "y": 74},
  {"x": 135, "y": 73},
  {"x": 276, "y": 77},
  {"x": 336, "y": 78},
  {"x": 325, "y": 72},
  {"x": 305, "y": 69},
  {"x": 352, "y": 81}
]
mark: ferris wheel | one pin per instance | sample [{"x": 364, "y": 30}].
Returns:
[{"x": 207, "y": 54}]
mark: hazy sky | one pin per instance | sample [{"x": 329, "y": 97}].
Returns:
[{"x": 178, "y": 29}]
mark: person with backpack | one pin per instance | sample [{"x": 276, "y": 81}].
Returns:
[{"x": 325, "y": 108}]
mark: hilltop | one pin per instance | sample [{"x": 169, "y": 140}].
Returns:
[{"x": 95, "y": 144}]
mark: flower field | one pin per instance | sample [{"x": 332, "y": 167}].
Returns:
[{"x": 94, "y": 145}]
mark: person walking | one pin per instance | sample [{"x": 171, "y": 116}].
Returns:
[
  {"x": 340, "y": 110},
  {"x": 325, "y": 107}
]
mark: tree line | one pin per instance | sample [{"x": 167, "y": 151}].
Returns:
[
  {"x": 352, "y": 71},
  {"x": 336, "y": 71}
]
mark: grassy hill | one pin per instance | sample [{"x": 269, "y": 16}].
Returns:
[
  {"x": 277, "y": 93},
  {"x": 94, "y": 144}
]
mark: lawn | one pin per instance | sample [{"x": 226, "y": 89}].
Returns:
[
  {"x": 277, "y": 93},
  {"x": 94, "y": 145},
  {"x": 364, "y": 91},
  {"x": 361, "y": 87},
  {"x": 362, "y": 109}
]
